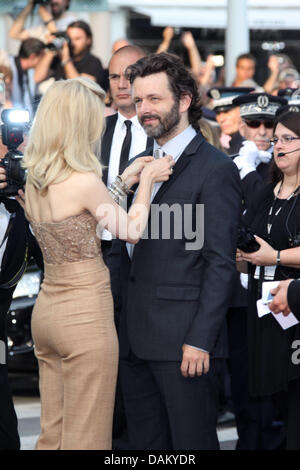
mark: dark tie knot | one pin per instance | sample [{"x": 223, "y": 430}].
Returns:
[{"x": 128, "y": 124}]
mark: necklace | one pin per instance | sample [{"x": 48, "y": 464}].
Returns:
[{"x": 270, "y": 218}]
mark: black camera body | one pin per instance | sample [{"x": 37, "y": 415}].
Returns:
[
  {"x": 12, "y": 137},
  {"x": 58, "y": 42},
  {"x": 246, "y": 240},
  {"x": 41, "y": 2}
]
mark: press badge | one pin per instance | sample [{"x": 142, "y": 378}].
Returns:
[{"x": 268, "y": 274}]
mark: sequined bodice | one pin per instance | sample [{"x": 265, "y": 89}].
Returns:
[{"x": 72, "y": 239}]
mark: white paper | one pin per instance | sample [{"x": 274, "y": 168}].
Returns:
[{"x": 263, "y": 307}]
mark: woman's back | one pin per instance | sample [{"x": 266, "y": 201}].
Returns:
[{"x": 65, "y": 231}]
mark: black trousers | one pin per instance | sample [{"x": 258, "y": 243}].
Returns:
[
  {"x": 9, "y": 437},
  {"x": 259, "y": 420},
  {"x": 293, "y": 417},
  {"x": 164, "y": 410}
]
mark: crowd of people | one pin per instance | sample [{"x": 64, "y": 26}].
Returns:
[{"x": 135, "y": 333}]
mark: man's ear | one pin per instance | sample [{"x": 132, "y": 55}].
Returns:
[{"x": 185, "y": 102}]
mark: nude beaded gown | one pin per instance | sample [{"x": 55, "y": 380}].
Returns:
[{"x": 75, "y": 338}]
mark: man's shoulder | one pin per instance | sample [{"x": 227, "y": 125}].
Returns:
[
  {"x": 111, "y": 120},
  {"x": 92, "y": 60},
  {"x": 209, "y": 153}
]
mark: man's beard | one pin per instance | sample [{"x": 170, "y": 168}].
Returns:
[
  {"x": 166, "y": 126},
  {"x": 57, "y": 12}
]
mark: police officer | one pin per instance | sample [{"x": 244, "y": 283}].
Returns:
[{"x": 228, "y": 115}]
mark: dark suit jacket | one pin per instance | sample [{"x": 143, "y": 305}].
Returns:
[
  {"x": 294, "y": 297},
  {"x": 13, "y": 258},
  {"x": 107, "y": 141},
  {"x": 175, "y": 296}
]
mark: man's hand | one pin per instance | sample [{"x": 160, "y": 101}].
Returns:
[
  {"x": 3, "y": 183},
  {"x": 279, "y": 303},
  {"x": 194, "y": 362}
]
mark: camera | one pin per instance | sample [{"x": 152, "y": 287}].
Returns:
[
  {"x": 246, "y": 240},
  {"x": 58, "y": 42},
  {"x": 41, "y": 2},
  {"x": 12, "y": 130}
]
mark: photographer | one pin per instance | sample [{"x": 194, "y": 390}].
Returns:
[
  {"x": 23, "y": 87},
  {"x": 53, "y": 19},
  {"x": 17, "y": 246},
  {"x": 71, "y": 57}
]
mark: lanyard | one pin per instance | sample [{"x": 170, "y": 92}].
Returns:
[{"x": 270, "y": 218}]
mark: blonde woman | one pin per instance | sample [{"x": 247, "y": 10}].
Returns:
[{"x": 72, "y": 324}]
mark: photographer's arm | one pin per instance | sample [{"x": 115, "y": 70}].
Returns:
[
  {"x": 69, "y": 68},
  {"x": 188, "y": 41},
  {"x": 17, "y": 30},
  {"x": 42, "y": 68},
  {"x": 274, "y": 68},
  {"x": 48, "y": 20},
  {"x": 167, "y": 35}
]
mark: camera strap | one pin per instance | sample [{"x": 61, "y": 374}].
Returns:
[{"x": 271, "y": 216}]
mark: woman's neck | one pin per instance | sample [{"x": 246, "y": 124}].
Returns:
[{"x": 288, "y": 185}]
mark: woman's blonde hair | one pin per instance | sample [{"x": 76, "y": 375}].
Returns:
[{"x": 66, "y": 132}]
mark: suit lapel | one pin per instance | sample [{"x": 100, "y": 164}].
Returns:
[
  {"x": 180, "y": 165},
  {"x": 106, "y": 144}
]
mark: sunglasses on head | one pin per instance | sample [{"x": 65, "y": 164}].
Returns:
[{"x": 255, "y": 124}]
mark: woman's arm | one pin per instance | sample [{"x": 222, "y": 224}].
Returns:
[
  {"x": 129, "y": 227},
  {"x": 267, "y": 256}
]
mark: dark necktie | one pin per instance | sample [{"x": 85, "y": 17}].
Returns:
[{"x": 125, "y": 147}]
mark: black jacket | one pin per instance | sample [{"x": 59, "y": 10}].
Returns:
[{"x": 175, "y": 296}]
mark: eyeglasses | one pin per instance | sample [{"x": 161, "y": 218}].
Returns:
[
  {"x": 285, "y": 139},
  {"x": 257, "y": 124}
]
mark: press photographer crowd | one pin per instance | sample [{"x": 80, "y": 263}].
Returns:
[{"x": 144, "y": 342}]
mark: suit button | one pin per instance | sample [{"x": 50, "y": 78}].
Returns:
[{"x": 132, "y": 278}]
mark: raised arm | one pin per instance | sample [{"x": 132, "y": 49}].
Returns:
[
  {"x": 17, "y": 30},
  {"x": 129, "y": 227}
]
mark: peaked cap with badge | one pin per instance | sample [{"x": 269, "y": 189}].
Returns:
[
  {"x": 259, "y": 105},
  {"x": 223, "y": 97}
]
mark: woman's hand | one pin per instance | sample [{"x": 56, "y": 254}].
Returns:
[
  {"x": 265, "y": 256},
  {"x": 159, "y": 170},
  {"x": 131, "y": 174}
]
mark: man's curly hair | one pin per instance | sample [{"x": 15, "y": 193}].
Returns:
[{"x": 180, "y": 79}]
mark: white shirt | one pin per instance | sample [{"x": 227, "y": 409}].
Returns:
[
  {"x": 175, "y": 148},
  {"x": 138, "y": 145}
]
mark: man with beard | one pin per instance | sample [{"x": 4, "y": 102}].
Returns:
[
  {"x": 56, "y": 18},
  {"x": 74, "y": 59},
  {"x": 172, "y": 335}
]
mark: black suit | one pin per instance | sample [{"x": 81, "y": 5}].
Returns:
[
  {"x": 19, "y": 236},
  {"x": 177, "y": 297}
]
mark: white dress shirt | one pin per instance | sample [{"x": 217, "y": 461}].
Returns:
[
  {"x": 175, "y": 148},
  {"x": 138, "y": 145}
]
